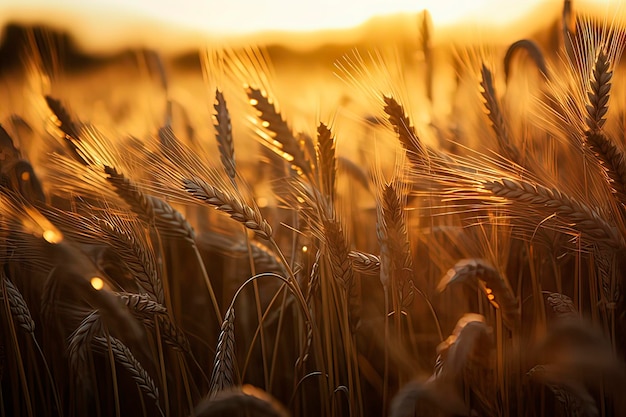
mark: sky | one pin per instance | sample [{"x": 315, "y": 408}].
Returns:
[{"x": 112, "y": 21}]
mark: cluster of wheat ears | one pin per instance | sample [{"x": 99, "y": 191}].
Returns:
[{"x": 480, "y": 274}]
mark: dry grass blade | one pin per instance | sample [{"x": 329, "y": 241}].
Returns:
[
  {"x": 137, "y": 256},
  {"x": 239, "y": 403},
  {"x": 365, "y": 263},
  {"x": 124, "y": 357},
  {"x": 533, "y": 49},
  {"x": 495, "y": 286},
  {"x": 599, "y": 94},
  {"x": 613, "y": 160},
  {"x": 224, "y": 135},
  {"x": 494, "y": 111},
  {"x": 406, "y": 132},
  {"x": 237, "y": 209},
  {"x": 552, "y": 201},
  {"x": 223, "y": 374},
  {"x": 17, "y": 305},
  {"x": 283, "y": 141},
  {"x": 327, "y": 162}
]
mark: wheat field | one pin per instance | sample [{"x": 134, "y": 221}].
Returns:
[{"x": 402, "y": 258}]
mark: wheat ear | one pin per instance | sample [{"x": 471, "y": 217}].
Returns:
[
  {"x": 600, "y": 87},
  {"x": 327, "y": 162},
  {"x": 141, "y": 304},
  {"x": 580, "y": 216},
  {"x": 80, "y": 340},
  {"x": 562, "y": 305},
  {"x": 406, "y": 132},
  {"x": 494, "y": 285},
  {"x": 150, "y": 209},
  {"x": 224, "y": 135},
  {"x": 223, "y": 374},
  {"x": 139, "y": 259},
  {"x": 65, "y": 123},
  {"x": 283, "y": 142},
  {"x": 337, "y": 250},
  {"x": 238, "y": 402},
  {"x": 237, "y": 209},
  {"x": 533, "y": 49},
  {"x": 396, "y": 266},
  {"x": 496, "y": 117},
  {"x": 365, "y": 263},
  {"x": 612, "y": 159},
  {"x": 17, "y": 305},
  {"x": 124, "y": 357}
]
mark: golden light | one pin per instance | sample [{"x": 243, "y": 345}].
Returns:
[
  {"x": 51, "y": 236},
  {"x": 305, "y": 249},
  {"x": 97, "y": 283},
  {"x": 107, "y": 24}
]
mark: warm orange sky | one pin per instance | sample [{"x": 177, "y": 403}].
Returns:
[{"x": 105, "y": 22}]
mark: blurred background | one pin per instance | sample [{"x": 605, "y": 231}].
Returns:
[{"x": 116, "y": 61}]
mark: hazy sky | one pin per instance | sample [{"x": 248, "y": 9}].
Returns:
[{"x": 96, "y": 20}]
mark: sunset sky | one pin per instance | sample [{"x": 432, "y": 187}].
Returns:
[{"x": 109, "y": 22}]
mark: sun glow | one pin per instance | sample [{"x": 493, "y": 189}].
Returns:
[{"x": 98, "y": 24}]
